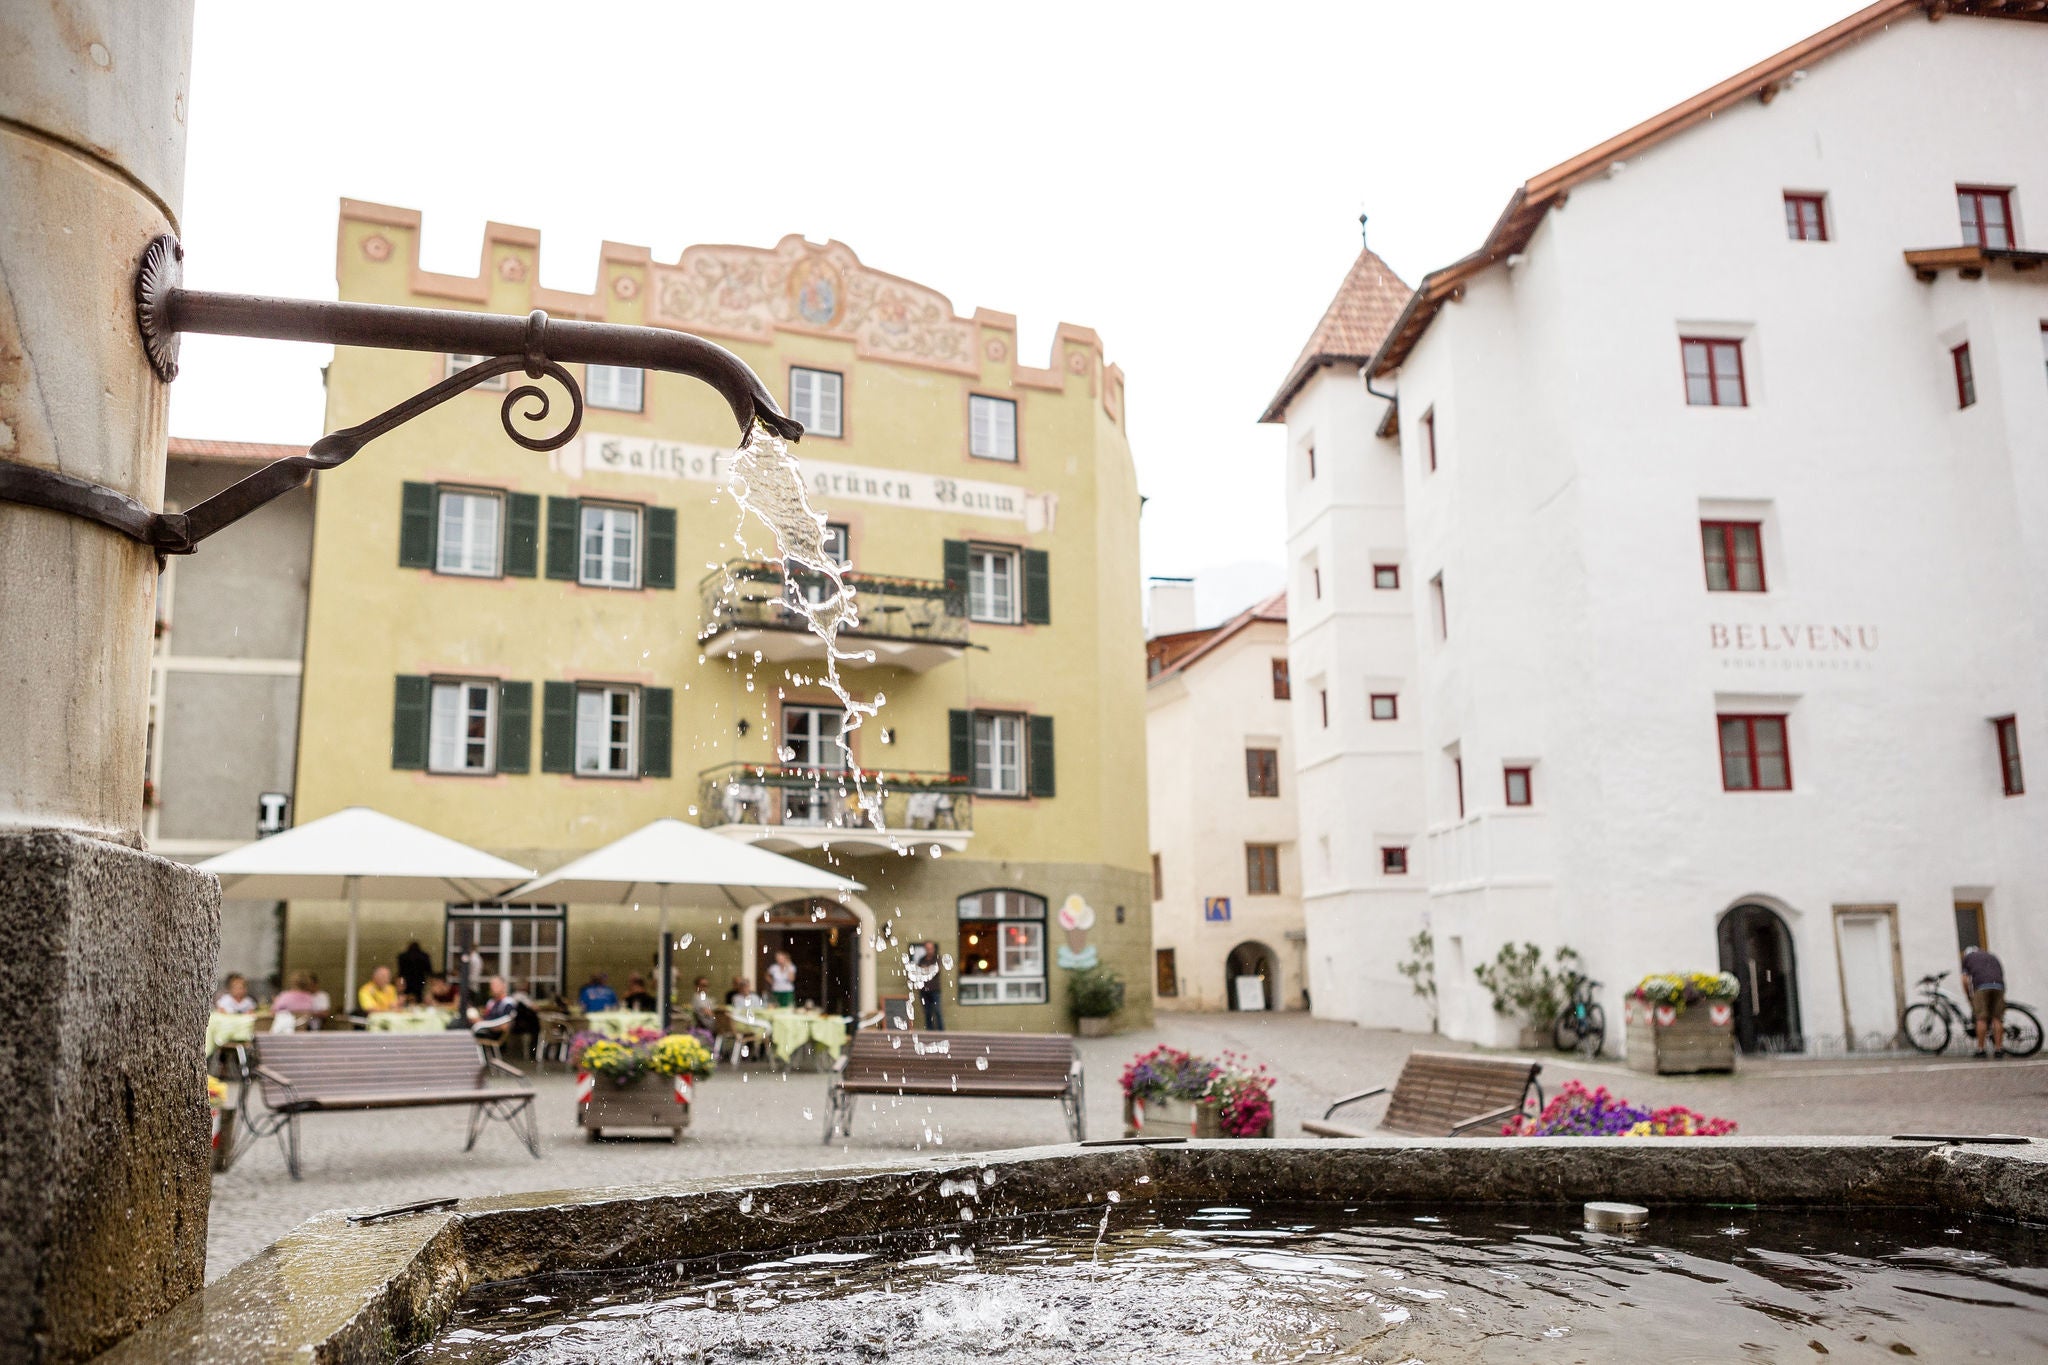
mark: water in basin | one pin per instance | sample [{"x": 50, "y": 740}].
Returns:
[{"x": 1189, "y": 1284}]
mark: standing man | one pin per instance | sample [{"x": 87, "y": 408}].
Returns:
[
  {"x": 414, "y": 967},
  {"x": 1984, "y": 977},
  {"x": 929, "y": 993}
]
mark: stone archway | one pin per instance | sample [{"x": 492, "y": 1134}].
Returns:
[
  {"x": 865, "y": 995},
  {"x": 1252, "y": 959},
  {"x": 1757, "y": 949}
]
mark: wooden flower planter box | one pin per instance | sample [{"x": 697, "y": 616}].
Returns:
[
  {"x": 1668, "y": 1041},
  {"x": 1179, "y": 1118},
  {"x": 647, "y": 1101}
]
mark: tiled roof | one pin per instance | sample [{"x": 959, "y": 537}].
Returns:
[
  {"x": 1528, "y": 205},
  {"x": 1274, "y": 608},
  {"x": 1352, "y": 328},
  {"x": 236, "y": 452}
]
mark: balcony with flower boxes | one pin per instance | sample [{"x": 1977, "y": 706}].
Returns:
[
  {"x": 750, "y": 605},
  {"x": 785, "y": 808}
]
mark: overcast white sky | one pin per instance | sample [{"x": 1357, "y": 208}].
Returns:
[{"x": 1186, "y": 179}]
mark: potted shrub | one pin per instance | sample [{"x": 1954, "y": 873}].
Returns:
[
  {"x": 1682, "y": 1023},
  {"x": 1527, "y": 990},
  {"x": 1172, "y": 1093},
  {"x": 1575, "y": 1111},
  {"x": 1095, "y": 993},
  {"x": 644, "y": 1081}
]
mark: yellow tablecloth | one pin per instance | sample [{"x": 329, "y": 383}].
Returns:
[
  {"x": 619, "y": 1023},
  {"x": 789, "y": 1030},
  {"x": 422, "y": 1020},
  {"x": 225, "y": 1030}
]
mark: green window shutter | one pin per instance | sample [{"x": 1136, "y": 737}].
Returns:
[
  {"x": 956, "y": 577},
  {"x": 515, "y": 727},
  {"x": 522, "y": 535},
  {"x": 558, "y": 727},
  {"x": 564, "y": 520},
  {"x": 660, "y": 569},
  {"x": 1037, "y": 588},
  {"x": 416, "y": 527},
  {"x": 409, "y": 722},
  {"x": 960, "y": 731},
  {"x": 657, "y": 706},
  {"x": 1040, "y": 745}
]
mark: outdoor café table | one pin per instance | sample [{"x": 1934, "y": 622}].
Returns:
[
  {"x": 621, "y": 1023},
  {"x": 227, "y": 1030},
  {"x": 789, "y": 1030},
  {"x": 422, "y": 1019}
]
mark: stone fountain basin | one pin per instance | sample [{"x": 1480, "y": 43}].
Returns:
[{"x": 336, "y": 1291}]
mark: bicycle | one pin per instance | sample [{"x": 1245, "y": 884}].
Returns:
[
  {"x": 1929, "y": 1025},
  {"x": 1581, "y": 1026}
]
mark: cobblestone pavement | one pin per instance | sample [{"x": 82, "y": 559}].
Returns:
[{"x": 761, "y": 1120}]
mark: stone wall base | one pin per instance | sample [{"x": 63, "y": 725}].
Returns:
[{"x": 104, "y": 1180}]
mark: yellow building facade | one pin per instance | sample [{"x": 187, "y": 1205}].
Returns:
[{"x": 537, "y": 653}]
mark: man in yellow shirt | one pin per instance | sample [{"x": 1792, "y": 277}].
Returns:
[{"x": 377, "y": 994}]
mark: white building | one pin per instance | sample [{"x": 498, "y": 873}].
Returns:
[
  {"x": 1226, "y": 877},
  {"x": 1351, "y": 648},
  {"x": 1722, "y": 484}
]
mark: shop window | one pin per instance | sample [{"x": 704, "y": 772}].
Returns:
[{"x": 1001, "y": 958}]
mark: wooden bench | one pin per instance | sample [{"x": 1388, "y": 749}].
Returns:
[
  {"x": 1003, "y": 1066},
  {"x": 309, "y": 1073},
  {"x": 1442, "y": 1094}
]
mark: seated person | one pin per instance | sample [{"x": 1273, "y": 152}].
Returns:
[
  {"x": 597, "y": 995},
  {"x": 236, "y": 998},
  {"x": 741, "y": 996},
  {"x": 500, "y": 1012},
  {"x": 701, "y": 1003},
  {"x": 638, "y": 997},
  {"x": 377, "y": 995},
  {"x": 297, "y": 998},
  {"x": 442, "y": 994}
]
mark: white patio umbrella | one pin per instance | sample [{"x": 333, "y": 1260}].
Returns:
[
  {"x": 654, "y": 859},
  {"x": 361, "y": 852}
]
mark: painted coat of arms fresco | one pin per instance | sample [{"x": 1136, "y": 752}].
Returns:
[{"x": 739, "y": 291}]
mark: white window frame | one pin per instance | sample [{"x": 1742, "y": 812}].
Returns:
[
  {"x": 621, "y": 388},
  {"x": 450, "y": 711},
  {"x": 983, "y": 604},
  {"x": 999, "y": 741},
  {"x": 456, "y": 364},
  {"x": 992, "y": 428},
  {"x": 600, "y": 752},
  {"x": 604, "y": 519},
  {"x": 817, "y": 398},
  {"x": 499, "y": 957},
  {"x": 1012, "y": 983},
  {"x": 477, "y": 551}
]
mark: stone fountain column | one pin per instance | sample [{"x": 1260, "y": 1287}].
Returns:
[{"x": 106, "y": 953}]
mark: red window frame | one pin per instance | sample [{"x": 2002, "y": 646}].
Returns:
[
  {"x": 1723, "y": 357},
  {"x": 1970, "y": 204},
  {"x": 1392, "y": 572},
  {"x": 1262, "y": 772},
  {"x": 1429, "y": 437},
  {"x": 1727, "y": 537},
  {"x": 1966, "y": 376},
  {"x": 1394, "y": 860},
  {"x": 1262, "y": 869},
  {"x": 1393, "y": 701},
  {"x": 1806, "y": 217},
  {"x": 1507, "y": 781},
  {"x": 2007, "y": 729},
  {"x": 1757, "y": 731},
  {"x": 1283, "y": 685}
]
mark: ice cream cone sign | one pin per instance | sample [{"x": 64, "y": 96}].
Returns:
[{"x": 1077, "y": 917}]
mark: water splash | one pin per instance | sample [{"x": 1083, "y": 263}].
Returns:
[{"x": 767, "y": 484}]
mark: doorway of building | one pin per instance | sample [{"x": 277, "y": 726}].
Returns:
[
  {"x": 1873, "y": 981},
  {"x": 1756, "y": 947},
  {"x": 1251, "y": 978},
  {"x": 822, "y": 939}
]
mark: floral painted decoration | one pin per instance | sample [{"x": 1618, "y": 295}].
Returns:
[{"x": 1575, "y": 1111}]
